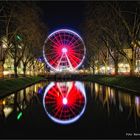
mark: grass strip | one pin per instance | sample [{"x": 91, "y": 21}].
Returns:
[
  {"x": 8, "y": 86},
  {"x": 125, "y": 82}
]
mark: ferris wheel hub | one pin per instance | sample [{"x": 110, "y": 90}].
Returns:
[
  {"x": 64, "y": 50},
  {"x": 65, "y": 101}
]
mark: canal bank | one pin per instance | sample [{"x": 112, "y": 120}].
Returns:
[
  {"x": 8, "y": 86},
  {"x": 126, "y": 83}
]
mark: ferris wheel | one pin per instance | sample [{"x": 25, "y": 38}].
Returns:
[
  {"x": 64, "y": 102},
  {"x": 64, "y": 50}
]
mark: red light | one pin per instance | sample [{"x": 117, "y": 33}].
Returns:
[{"x": 64, "y": 101}]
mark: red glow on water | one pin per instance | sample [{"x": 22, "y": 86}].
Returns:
[{"x": 63, "y": 102}]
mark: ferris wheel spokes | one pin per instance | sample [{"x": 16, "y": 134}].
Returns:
[
  {"x": 71, "y": 67},
  {"x": 53, "y": 42},
  {"x": 67, "y": 61},
  {"x": 59, "y": 61},
  {"x": 64, "y": 50}
]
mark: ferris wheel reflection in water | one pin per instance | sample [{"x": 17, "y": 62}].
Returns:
[{"x": 64, "y": 102}]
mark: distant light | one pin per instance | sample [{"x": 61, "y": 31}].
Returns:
[
  {"x": 19, "y": 115},
  {"x": 4, "y": 45},
  {"x": 39, "y": 59},
  {"x": 4, "y": 102},
  {"x": 64, "y": 50},
  {"x": 65, "y": 101},
  {"x": 20, "y": 46},
  {"x": 7, "y": 111},
  {"x": 18, "y": 37},
  {"x": 40, "y": 90}
]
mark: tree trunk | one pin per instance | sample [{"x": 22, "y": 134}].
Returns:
[
  {"x": 24, "y": 70},
  {"x": 98, "y": 68},
  {"x": 33, "y": 70},
  {"x": 1, "y": 69},
  {"x": 105, "y": 68},
  {"x": 116, "y": 67},
  {"x": 132, "y": 69},
  {"x": 93, "y": 70},
  {"x": 132, "y": 62},
  {"x": 15, "y": 70}
]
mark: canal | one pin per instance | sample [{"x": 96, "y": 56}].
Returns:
[{"x": 71, "y": 109}]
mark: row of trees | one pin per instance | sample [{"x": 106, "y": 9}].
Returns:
[
  {"x": 22, "y": 34},
  {"x": 111, "y": 28}
]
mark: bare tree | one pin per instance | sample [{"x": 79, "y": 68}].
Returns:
[
  {"x": 6, "y": 33},
  {"x": 106, "y": 24},
  {"x": 132, "y": 27},
  {"x": 29, "y": 38}
]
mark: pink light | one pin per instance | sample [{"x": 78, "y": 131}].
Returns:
[
  {"x": 65, "y": 101},
  {"x": 64, "y": 50},
  {"x": 137, "y": 101}
]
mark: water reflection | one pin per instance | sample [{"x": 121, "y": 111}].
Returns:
[
  {"x": 108, "y": 110},
  {"x": 64, "y": 102},
  {"x": 17, "y": 102},
  {"x": 124, "y": 102},
  {"x": 137, "y": 103}
]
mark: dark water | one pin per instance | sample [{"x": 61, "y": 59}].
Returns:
[{"x": 103, "y": 112}]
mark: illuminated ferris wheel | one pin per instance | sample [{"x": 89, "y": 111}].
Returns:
[
  {"x": 64, "y": 50},
  {"x": 64, "y": 102}
]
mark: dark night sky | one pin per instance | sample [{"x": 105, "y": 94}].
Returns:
[
  {"x": 63, "y": 14},
  {"x": 69, "y": 14}
]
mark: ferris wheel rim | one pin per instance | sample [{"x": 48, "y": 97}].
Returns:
[{"x": 74, "y": 34}]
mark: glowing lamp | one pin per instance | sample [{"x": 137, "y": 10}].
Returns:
[
  {"x": 4, "y": 102},
  {"x": 18, "y": 37},
  {"x": 64, "y": 50},
  {"x": 65, "y": 101}
]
